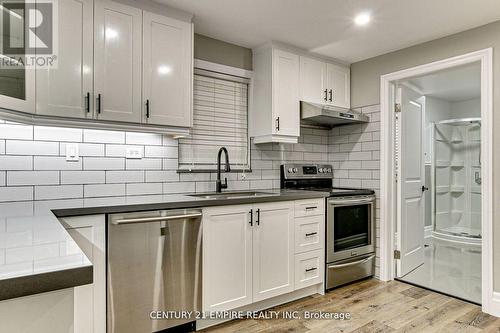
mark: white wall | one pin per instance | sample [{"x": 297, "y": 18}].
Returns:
[{"x": 466, "y": 109}]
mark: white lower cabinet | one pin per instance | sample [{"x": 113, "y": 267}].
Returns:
[
  {"x": 90, "y": 300},
  {"x": 227, "y": 257},
  {"x": 249, "y": 254}
]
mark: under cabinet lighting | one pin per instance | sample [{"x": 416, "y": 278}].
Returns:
[{"x": 362, "y": 18}]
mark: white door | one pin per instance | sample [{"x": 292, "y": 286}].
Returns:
[
  {"x": 117, "y": 72},
  {"x": 66, "y": 90},
  {"x": 411, "y": 179},
  {"x": 286, "y": 105},
  {"x": 313, "y": 81},
  {"x": 273, "y": 248},
  {"x": 227, "y": 257},
  {"x": 338, "y": 85},
  {"x": 168, "y": 68}
]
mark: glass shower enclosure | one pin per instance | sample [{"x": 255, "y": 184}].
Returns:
[{"x": 457, "y": 179}]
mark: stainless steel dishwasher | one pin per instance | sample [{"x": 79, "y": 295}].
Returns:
[{"x": 154, "y": 264}]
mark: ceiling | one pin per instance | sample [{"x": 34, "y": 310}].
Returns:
[
  {"x": 453, "y": 85},
  {"x": 326, "y": 27}
]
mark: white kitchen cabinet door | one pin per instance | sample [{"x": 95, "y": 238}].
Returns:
[
  {"x": 66, "y": 90},
  {"x": 168, "y": 71},
  {"x": 117, "y": 72},
  {"x": 273, "y": 248},
  {"x": 286, "y": 104},
  {"x": 227, "y": 257},
  {"x": 88, "y": 232},
  {"x": 338, "y": 85},
  {"x": 313, "y": 81}
]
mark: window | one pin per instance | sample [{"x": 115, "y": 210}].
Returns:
[{"x": 220, "y": 119}]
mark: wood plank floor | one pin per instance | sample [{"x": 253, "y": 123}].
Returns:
[{"x": 376, "y": 307}]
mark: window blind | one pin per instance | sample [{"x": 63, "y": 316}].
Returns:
[{"x": 220, "y": 119}]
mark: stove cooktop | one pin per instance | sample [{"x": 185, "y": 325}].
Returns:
[{"x": 341, "y": 191}]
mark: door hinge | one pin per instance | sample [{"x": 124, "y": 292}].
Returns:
[
  {"x": 397, "y": 254},
  {"x": 397, "y": 107}
]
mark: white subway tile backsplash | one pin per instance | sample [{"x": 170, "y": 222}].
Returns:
[
  {"x": 144, "y": 164},
  {"x": 101, "y": 136},
  {"x": 103, "y": 163},
  {"x": 16, "y": 132},
  {"x": 43, "y": 133},
  {"x": 160, "y": 151},
  {"x": 124, "y": 176},
  {"x": 55, "y": 163},
  {"x": 144, "y": 188},
  {"x": 8, "y": 162},
  {"x": 170, "y": 164},
  {"x": 179, "y": 187},
  {"x": 52, "y": 192},
  {"x": 84, "y": 149},
  {"x": 133, "y": 138},
  {"x": 3, "y": 176},
  {"x": 120, "y": 150},
  {"x": 2, "y": 147},
  {"x": 161, "y": 176},
  {"x": 32, "y": 178},
  {"x": 16, "y": 193},
  {"x": 83, "y": 177},
  {"x": 104, "y": 190},
  {"x": 23, "y": 147},
  {"x": 19, "y": 254}
]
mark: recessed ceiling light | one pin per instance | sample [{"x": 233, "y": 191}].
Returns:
[{"x": 362, "y": 18}]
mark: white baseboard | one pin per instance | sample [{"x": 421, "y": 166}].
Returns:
[
  {"x": 494, "y": 308},
  {"x": 428, "y": 231}
]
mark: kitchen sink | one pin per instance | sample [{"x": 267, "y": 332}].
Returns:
[{"x": 232, "y": 195}]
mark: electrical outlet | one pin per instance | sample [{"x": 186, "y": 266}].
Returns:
[
  {"x": 72, "y": 154},
  {"x": 133, "y": 153}
]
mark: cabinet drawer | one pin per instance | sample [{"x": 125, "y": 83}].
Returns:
[
  {"x": 310, "y": 207},
  {"x": 309, "y": 233},
  {"x": 309, "y": 268}
]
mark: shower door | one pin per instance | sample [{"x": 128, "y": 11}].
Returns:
[{"x": 457, "y": 177}]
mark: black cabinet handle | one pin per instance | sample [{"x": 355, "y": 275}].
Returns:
[
  {"x": 311, "y": 269},
  {"x": 312, "y": 207},
  {"x": 326, "y": 94},
  {"x": 331, "y": 95},
  {"x": 258, "y": 216},
  {"x": 87, "y": 102},
  {"x": 147, "y": 108},
  {"x": 98, "y": 103},
  {"x": 278, "y": 123},
  {"x": 311, "y": 234},
  {"x": 424, "y": 188},
  {"x": 251, "y": 217}
]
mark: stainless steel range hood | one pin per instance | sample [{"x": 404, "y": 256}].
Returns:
[{"x": 327, "y": 115}]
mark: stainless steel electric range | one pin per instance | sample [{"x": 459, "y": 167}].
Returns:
[{"x": 350, "y": 222}]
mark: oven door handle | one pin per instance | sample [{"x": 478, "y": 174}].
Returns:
[
  {"x": 349, "y": 202},
  {"x": 362, "y": 261}
]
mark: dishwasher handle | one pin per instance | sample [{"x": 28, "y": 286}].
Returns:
[{"x": 155, "y": 218}]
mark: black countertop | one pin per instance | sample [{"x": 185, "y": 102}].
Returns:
[{"x": 37, "y": 254}]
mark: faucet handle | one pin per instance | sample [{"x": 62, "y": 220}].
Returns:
[{"x": 225, "y": 183}]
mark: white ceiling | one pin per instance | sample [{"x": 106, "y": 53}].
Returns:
[
  {"x": 326, "y": 27},
  {"x": 453, "y": 85}
]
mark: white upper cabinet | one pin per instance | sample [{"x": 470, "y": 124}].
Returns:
[
  {"x": 66, "y": 90},
  {"x": 313, "y": 81},
  {"x": 275, "y": 112},
  {"x": 324, "y": 83},
  {"x": 118, "y": 46},
  {"x": 339, "y": 85},
  {"x": 168, "y": 71}
]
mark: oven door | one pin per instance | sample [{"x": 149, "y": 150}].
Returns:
[{"x": 350, "y": 227}]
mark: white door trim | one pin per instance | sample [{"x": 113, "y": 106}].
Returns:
[{"x": 387, "y": 197}]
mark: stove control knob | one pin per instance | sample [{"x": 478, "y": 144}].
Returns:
[
  {"x": 320, "y": 170},
  {"x": 290, "y": 170},
  {"x": 295, "y": 170}
]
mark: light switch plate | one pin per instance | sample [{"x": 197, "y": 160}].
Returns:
[
  {"x": 133, "y": 153},
  {"x": 72, "y": 154}
]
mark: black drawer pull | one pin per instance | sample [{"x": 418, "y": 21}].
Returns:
[
  {"x": 311, "y": 234},
  {"x": 311, "y": 207},
  {"x": 251, "y": 217},
  {"x": 311, "y": 269}
]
